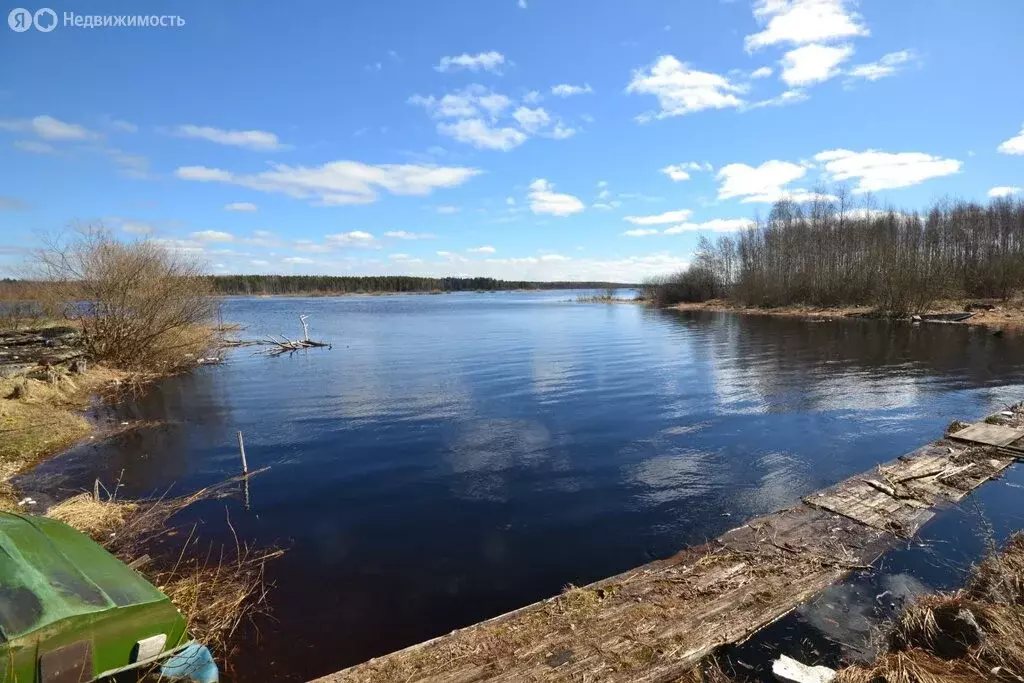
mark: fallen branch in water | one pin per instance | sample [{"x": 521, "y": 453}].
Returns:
[{"x": 286, "y": 345}]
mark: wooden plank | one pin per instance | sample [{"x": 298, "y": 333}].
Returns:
[
  {"x": 653, "y": 623},
  {"x": 989, "y": 434},
  {"x": 899, "y": 495},
  {"x": 858, "y": 500}
]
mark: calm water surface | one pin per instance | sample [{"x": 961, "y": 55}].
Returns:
[{"x": 454, "y": 457}]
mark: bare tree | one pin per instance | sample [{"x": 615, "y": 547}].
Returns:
[
  {"x": 140, "y": 304},
  {"x": 829, "y": 252}
]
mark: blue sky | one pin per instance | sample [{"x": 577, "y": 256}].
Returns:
[{"x": 537, "y": 139}]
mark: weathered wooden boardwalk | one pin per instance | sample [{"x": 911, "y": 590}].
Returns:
[{"x": 656, "y": 622}]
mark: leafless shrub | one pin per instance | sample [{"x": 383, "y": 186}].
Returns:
[{"x": 140, "y": 305}]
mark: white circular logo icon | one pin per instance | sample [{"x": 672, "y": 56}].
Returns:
[
  {"x": 20, "y": 19},
  {"x": 46, "y": 20}
]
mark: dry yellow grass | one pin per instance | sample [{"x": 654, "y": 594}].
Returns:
[
  {"x": 975, "y": 635},
  {"x": 42, "y": 417},
  {"x": 98, "y": 518},
  {"x": 217, "y": 594},
  {"x": 1009, "y": 314}
]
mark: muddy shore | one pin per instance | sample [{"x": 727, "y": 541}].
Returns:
[{"x": 1002, "y": 314}]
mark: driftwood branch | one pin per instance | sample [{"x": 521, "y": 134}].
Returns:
[{"x": 286, "y": 345}]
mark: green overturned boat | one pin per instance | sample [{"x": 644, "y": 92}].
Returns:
[{"x": 71, "y": 612}]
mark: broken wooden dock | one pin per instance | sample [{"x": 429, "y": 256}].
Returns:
[{"x": 656, "y": 622}]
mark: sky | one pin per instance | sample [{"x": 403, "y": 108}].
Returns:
[{"x": 519, "y": 139}]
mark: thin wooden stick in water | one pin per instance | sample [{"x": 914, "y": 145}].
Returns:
[{"x": 241, "y": 449}]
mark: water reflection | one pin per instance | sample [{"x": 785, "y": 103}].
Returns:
[{"x": 454, "y": 457}]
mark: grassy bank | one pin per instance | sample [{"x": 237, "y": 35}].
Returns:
[
  {"x": 1009, "y": 314},
  {"x": 129, "y": 313},
  {"x": 40, "y": 418},
  {"x": 215, "y": 588},
  {"x": 974, "y": 635}
]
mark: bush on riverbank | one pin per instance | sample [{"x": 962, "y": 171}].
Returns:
[
  {"x": 140, "y": 305},
  {"x": 828, "y": 253}
]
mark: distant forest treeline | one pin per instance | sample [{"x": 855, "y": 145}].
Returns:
[
  {"x": 831, "y": 253},
  {"x": 329, "y": 284}
]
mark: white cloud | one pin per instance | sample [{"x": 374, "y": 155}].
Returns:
[
  {"x": 484, "y": 61},
  {"x": 339, "y": 182},
  {"x": 482, "y": 250},
  {"x": 136, "y": 227},
  {"x": 763, "y": 72},
  {"x": 258, "y": 262},
  {"x": 213, "y": 236},
  {"x": 1005, "y": 191},
  {"x": 714, "y": 225},
  {"x": 356, "y": 238},
  {"x": 130, "y": 165},
  {"x": 311, "y": 247},
  {"x": 522, "y": 4},
  {"x": 1014, "y": 145},
  {"x": 681, "y": 89},
  {"x": 681, "y": 172},
  {"x": 250, "y": 139},
  {"x": 245, "y": 207},
  {"x": 561, "y": 131},
  {"x": 447, "y": 210},
  {"x": 813, "y": 63},
  {"x": 49, "y": 128},
  {"x": 404, "y": 258},
  {"x": 481, "y": 135},
  {"x": 185, "y": 246},
  {"x": 124, "y": 126},
  {"x": 485, "y": 119},
  {"x": 884, "y": 67},
  {"x": 297, "y": 259},
  {"x": 804, "y": 21},
  {"x": 532, "y": 97},
  {"x": 532, "y": 120},
  {"x": 874, "y": 170},
  {"x": 35, "y": 147},
  {"x": 566, "y": 90},
  {"x": 544, "y": 200},
  {"x": 549, "y": 267},
  {"x": 661, "y": 219},
  {"x": 765, "y": 183},
  {"x": 472, "y": 101},
  {"x": 403, "y": 235},
  {"x": 788, "y": 97}
]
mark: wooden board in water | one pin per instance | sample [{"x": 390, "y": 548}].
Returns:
[
  {"x": 655, "y": 622},
  {"x": 989, "y": 434}
]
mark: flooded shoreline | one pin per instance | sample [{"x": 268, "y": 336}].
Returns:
[{"x": 414, "y": 477}]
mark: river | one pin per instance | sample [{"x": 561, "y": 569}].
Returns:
[{"x": 456, "y": 456}]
